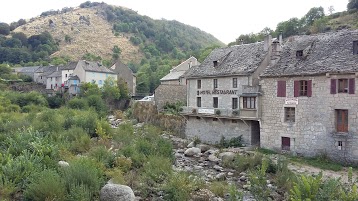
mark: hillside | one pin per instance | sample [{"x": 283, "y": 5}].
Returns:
[{"x": 90, "y": 29}]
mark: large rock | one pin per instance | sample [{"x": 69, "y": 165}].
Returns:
[
  {"x": 116, "y": 192},
  {"x": 192, "y": 151},
  {"x": 229, "y": 156},
  {"x": 63, "y": 164},
  {"x": 213, "y": 158},
  {"x": 203, "y": 147}
]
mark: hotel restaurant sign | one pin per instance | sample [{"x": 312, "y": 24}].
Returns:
[{"x": 216, "y": 92}]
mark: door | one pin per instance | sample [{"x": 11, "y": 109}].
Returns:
[
  {"x": 255, "y": 133},
  {"x": 286, "y": 143}
]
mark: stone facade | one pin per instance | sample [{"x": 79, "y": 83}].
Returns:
[
  {"x": 314, "y": 130},
  {"x": 169, "y": 94},
  {"x": 125, "y": 73},
  {"x": 211, "y": 130}
]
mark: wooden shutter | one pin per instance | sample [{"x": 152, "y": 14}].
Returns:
[
  {"x": 281, "y": 88},
  {"x": 351, "y": 86},
  {"x": 296, "y": 88},
  {"x": 333, "y": 86},
  {"x": 309, "y": 88}
]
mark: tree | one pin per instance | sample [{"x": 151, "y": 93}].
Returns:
[
  {"x": 331, "y": 10},
  {"x": 313, "y": 14},
  {"x": 123, "y": 88},
  {"x": 4, "y": 29},
  {"x": 21, "y": 36},
  {"x": 110, "y": 91},
  {"x": 353, "y": 4},
  {"x": 289, "y": 28}
]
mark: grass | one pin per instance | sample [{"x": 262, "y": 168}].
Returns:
[
  {"x": 321, "y": 162},
  {"x": 266, "y": 151}
]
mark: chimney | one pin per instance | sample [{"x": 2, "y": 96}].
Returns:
[
  {"x": 241, "y": 41},
  {"x": 56, "y": 68},
  {"x": 267, "y": 42}
]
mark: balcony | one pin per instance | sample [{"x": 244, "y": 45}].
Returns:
[{"x": 249, "y": 114}]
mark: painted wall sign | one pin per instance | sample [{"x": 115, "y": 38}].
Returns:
[
  {"x": 291, "y": 101},
  {"x": 206, "y": 111},
  {"x": 216, "y": 92}
]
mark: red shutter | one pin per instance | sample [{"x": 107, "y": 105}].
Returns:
[
  {"x": 351, "y": 86},
  {"x": 296, "y": 88},
  {"x": 333, "y": 86},
  {"x": 281, "y": 88},
  {"x": 309, "y": 88}
]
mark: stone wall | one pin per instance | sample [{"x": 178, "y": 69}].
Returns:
[
  {"x": 169, "y": 94},
  {"x": 210, "y": 131},
  {"x": 314, "y": 130}
]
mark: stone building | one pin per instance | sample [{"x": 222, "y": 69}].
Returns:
[
  {"x": 223, "y": 93},
  {"x": 310, "y": 101},
  {"x": 125, "y": 73},
  {"x": 172, "y": 88}
]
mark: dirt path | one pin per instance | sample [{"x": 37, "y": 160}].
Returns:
[{"x": 327, "y": 174}]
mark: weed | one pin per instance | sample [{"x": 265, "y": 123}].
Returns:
[{"x": 219, "y": 188}]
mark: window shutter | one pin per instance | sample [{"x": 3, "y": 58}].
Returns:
[
  {"x": 296, "y": 88},
  {"x": 351, "y": 86},
  {"x": 333, "y": 86},
  {"x": 281, "y": 88},
  {"x": 309, "y": 88}
]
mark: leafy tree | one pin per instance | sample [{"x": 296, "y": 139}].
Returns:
[
  {"x": 20, "y": 36},
  {"x": 4, "y": 29},
  {"x": 88, "y": 89},
  {"x": 110, "y": 91},
  {"x": 289, "y": 28},
  {"x": 123, "y": 88},
  {"x": 313, "y": 14},
  {"x": 353, "y": 4}
]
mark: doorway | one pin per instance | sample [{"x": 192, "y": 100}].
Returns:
[{"x": 255, "y": 133}]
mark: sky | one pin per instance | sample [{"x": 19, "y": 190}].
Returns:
[{"x": 225, "y": 19}]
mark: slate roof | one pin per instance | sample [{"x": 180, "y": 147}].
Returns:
[
  {"x": 55, "y": 74},
  {"x": 234, "y": 60},
  {"x": 29, "y": 69},
  {"x": 75, "y": 77},
  {"x": 94, "y": 67},
  {"x": 322, "y": 53},
  {"x": 173, "y": 75},
  {"x": 70, "y": 66}
]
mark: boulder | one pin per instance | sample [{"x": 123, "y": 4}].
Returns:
[
  {"x": 229, "y": 156},
  {"x": 203, "y": 147},
  {"x": 116, "y": 192},
  {"x": 63, "y": 164},
  {"x": 213, "y": 158},
  {"x": 192, "y": 151}
]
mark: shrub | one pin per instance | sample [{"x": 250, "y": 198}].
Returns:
[
  {"x": 78, "y": 192},
  {"x": 180, "y": 185},
  {"x": 102, "y": 155},
  {"x": 123, "y": 163},
  {"x": 77, "y": 139},
  {"x": 55, "y": 101},
  {"x": 258, "y": 179},
  {"x": 124, "y": 133},
  {"x": 116, "y": 176},
  {"x": 84, "y": 172},
  {"x": 103, "y": 129},
  {"x": 98, "y": 104},
  {"x": 306, "y": 188},
  {"x": 244, "y": 162},
  {"x": 86, "y": 120},
  {"x": 233, "y": 142},
  {"x": 46, "y": 185},
  {"x": 219, "y": 188},
  {"x": 32, "y": 108},
  {"x": 77, "y": 103}
]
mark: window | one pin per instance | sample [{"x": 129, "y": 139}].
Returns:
[
  {"x": 281, "y": 88},
  {"x": 342, "y": 120},
  {"x": 198, "y": 118},
  {"x": 215, "y": 63},
  {"x": 66, "y": 75},
  {"x": 51, "y": 86},
  {"x": 215, "y": 83},
  {"x": 215, "y": 102},
  {"x": 100, "y": 82},
  {"x": 342, "y": 85},
  {"x": 303, "y": 88},
  {"x": 215, "y": 119},
  {"x": 234, "y": 82},
  {"x": 41, "y": 77},
  {"x": 249, "y": 102},
  {"x": 198, "y": 83},
  {"x": 198, "y": 101},
  {"x": 355, "y": 47},
  {"x": 51, "y": 78},
  {"x": 290, "y": 114},
  {"x": 299, "y": 54},
  {"x": 234, "y": 103},
  {"x": 55, "y": 86},
  {"x": 340, "y": 145},
  {"x": 234, "y": 121}
]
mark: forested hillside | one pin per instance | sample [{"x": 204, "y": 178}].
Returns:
[
  {"x": 315, "y": 21},
  {"x": 101, "y": 32}
]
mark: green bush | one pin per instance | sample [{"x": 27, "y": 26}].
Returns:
[
  {"x": 77, "y": 103},
  {"x": 98, "y": 104},
  {"x": 77, "y": 139},
  {"x": 49, "y": 121},
  {"x": 78, "y": 192},
  {"x": 180, "y": 185},
  {"x": 55, "y": 101},
  {"x": 233, "y": 142},
  {"x": 219, "y": 188},
  {"x": 124, "y": 133},
  {"x": 244, "y": 162},
  {"x": 86, "y": 172},
  {"x": 32, "y": 108},
  {"x": 102, "y": 155},
  {"x": 46, "y": 185},
  {"x": 258, "y": 179}
]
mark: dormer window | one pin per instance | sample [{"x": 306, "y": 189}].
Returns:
[
  {"x": 299, "y": 54},
  {"x": 355, "y": 47},
  {"x": 215, "y": 63}
]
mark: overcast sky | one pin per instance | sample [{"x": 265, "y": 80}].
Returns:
[{"x": 225, "y": 19}]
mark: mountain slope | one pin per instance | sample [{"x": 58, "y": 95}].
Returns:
[{"x": 97, "y": 27}]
